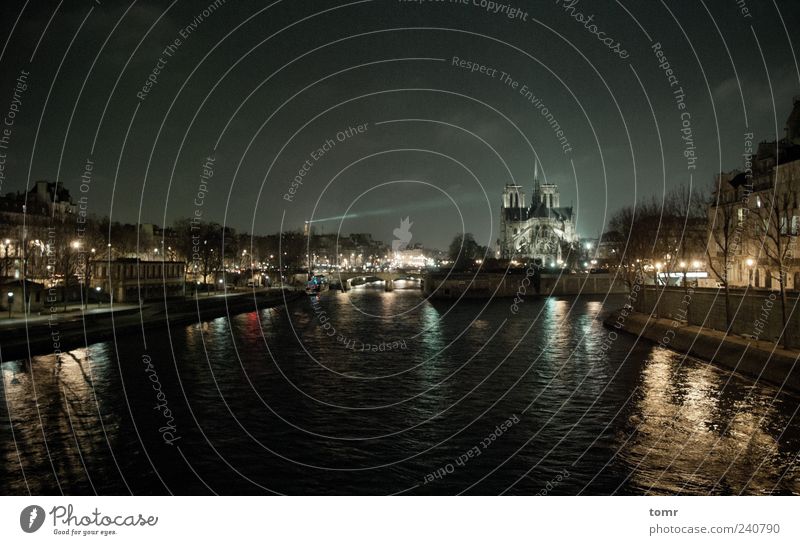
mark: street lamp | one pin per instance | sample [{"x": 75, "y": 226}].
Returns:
[
  {"x": 10, "y": 296},
  {"x": 750, "y": 264},
  {"x": 98, "y": 289},
  {"x": 7, "y": 243}
]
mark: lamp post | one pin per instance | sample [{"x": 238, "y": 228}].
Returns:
[
  {"x": 6, "y": 244},
  {"x": 749, "y": 264},
  {"x": 88, "y": 257},
  {"x": 10, "y": 301},
  {"x": 98, "y": 289}
]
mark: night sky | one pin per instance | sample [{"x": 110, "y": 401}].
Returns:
[{"x": 258, "y": 87}]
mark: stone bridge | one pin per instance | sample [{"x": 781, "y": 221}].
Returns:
[{"x": 346, "y": 280}]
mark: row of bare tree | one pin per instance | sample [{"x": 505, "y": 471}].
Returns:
[{"x": 720, "y": 228}]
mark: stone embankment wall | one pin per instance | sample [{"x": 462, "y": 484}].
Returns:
[
  {"x": 485, "y": 285},
  {"x": 756, "y": 312}
]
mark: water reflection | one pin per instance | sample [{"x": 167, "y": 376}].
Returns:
[
  {"x": 267, "y": 401},
  {"x": 696, "y": 429}
]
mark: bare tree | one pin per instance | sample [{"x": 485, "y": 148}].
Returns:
[
  {"x": 625, "y": 244},
  {"x": 725, "y": 230},
  {"x": 630, "y": 239},
  {"x": 685, "y": 220},
  {"x": 778, "y": 228}
]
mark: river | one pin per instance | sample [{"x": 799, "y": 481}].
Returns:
[{"x": 369, "y": 392}]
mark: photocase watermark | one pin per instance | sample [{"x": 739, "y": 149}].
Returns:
[
  {"x": 321, "y": 151},
  {"x": 553, "y": 483},
  {"x": 65, "y": 521},
  {"x": 588, "y": 22},
  {"x": 351, "y": 343},
  {"x": 51, "y": 298},
  {"x": 172, "y": 48},
  {"x": 7, "y": 128},
  {"x": 687, "y": 132},
  {"x": 402, "y": 235},
  {"x": 489, "y": 6},
  {"x": 168, "y": 430},
  {"x": 624, "y": 312},
  {"x": 471, "y": 453},
  {"x": 523, "y": 89},
  {"x": 522, "y": 289},
  {"x": 83, "y": 202},
  {"x": 744, "y": 211},
  {"x": 763, "y": 316},
  {"x": 769, "y": 301},
  {"x": 678, "y": 319},
  {"x": 203, "y": 187},
  {"x": 744, "y": 11},
  {"x": 31, "y": 518}
]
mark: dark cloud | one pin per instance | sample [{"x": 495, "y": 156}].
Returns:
[{"x": 593, "y": 94}]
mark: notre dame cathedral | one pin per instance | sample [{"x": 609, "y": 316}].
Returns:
[{"x": 543, "y": 231}]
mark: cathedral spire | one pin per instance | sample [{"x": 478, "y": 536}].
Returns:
[{"x": 536, "y": 198}]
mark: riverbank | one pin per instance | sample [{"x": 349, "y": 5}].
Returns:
[
  {"x": 760, "y": 360},
  {"x": 517, "y": 283},
  {"x": 62, "y": 332}
]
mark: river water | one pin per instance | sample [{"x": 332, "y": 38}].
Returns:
[{"x": 380, "y": 393}]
